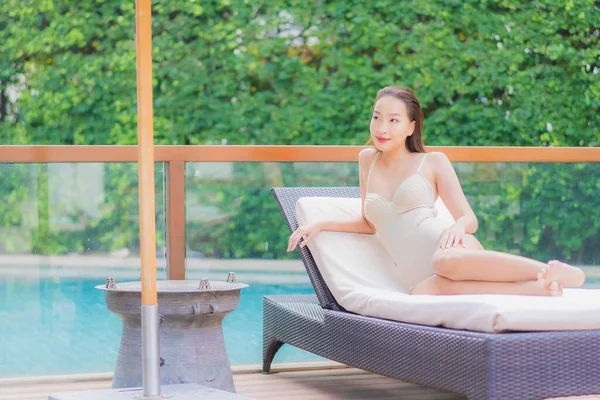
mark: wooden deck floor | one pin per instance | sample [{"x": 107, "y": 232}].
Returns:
[{"x": 315, "y": 384}]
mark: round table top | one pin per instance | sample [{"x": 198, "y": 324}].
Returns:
[{"x": 175, "y": 286}]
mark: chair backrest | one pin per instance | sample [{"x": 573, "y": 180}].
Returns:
[{"x": 286, "y": 199}]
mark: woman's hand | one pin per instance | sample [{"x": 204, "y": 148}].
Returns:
[
  {"x": 453, "y": 236},
  {"x": 306, "y": 233}
]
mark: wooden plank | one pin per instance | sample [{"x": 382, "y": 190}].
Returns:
[
  {"x": 53, "y": 154},
  {"x": 327, "y": 384},
  {"x": 333, "y": 384}
]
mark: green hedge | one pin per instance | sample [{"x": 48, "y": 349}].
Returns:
[{"x": 301, "y": 72}]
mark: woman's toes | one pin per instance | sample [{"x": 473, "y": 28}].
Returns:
[
  {"x": 542, "y": 274},
  {"x": 555, "y": 289}
]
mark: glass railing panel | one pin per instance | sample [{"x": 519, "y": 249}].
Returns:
[
  {"x": 233, "y": 224},
  {"x": 538, "y": 210},
  {"x": 64, "y": 229}
]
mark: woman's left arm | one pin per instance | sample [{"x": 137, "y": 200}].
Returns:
[{"x": 451, "y": 192}]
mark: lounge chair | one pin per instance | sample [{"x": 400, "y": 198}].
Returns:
[{"x": 494, "y": 366}]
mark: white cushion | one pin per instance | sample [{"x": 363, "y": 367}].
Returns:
[{"x": 363, "y": 279}]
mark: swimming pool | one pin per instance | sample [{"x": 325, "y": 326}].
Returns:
[
  {"x": 54, "y": 325},
  {"x": 59, "y": 326}
]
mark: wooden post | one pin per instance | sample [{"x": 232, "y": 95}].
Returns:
[{"x": 176, "y": 220}]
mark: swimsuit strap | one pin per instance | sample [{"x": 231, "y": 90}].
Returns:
[
  {"x": 372, "y": 167},
  {"x": 422, "y": 162}
]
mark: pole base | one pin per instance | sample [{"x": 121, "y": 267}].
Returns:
[{"x": 185, "y": 391}]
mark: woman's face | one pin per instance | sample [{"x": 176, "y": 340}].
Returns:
[{"x": 390, "y": 124}]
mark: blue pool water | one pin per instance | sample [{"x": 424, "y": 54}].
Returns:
[{"x": 56, "y": 326}]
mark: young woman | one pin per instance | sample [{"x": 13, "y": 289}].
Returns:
[{"x": 399, "y": 184}]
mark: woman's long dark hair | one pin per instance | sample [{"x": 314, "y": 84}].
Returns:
[{"x": 414, "y": 143}]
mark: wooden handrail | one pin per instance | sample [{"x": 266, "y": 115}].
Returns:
[{"x": 67, "y": 154}]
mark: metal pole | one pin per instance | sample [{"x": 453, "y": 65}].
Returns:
[{"x": 149, "y": 312}]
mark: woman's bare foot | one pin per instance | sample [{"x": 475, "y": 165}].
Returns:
[{"x": 564, "y": 274}]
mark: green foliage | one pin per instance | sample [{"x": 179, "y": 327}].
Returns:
[{"x": 501, "y": 72}]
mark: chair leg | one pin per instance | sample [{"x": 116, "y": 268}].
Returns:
[{"x": 269, "y": 353}]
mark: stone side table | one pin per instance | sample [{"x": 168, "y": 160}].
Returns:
[{"x": 192, "y": 348}]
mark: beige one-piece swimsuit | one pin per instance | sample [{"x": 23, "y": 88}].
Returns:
[{"x": 407, "y": 226}]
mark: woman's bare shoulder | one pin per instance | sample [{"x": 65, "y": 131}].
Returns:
[
  {"x": 439, "y": 160},
  {"x": 366, "y": 155}
]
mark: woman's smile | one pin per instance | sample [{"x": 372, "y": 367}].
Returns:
[{"x": 381, "y": 139}]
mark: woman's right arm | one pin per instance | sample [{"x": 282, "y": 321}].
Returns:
[{"x": 356, "y": 225}]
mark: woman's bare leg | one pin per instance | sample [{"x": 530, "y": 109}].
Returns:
[
  {"x": 438, "y": 285},
  {"x": 473, "y": 263}
]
